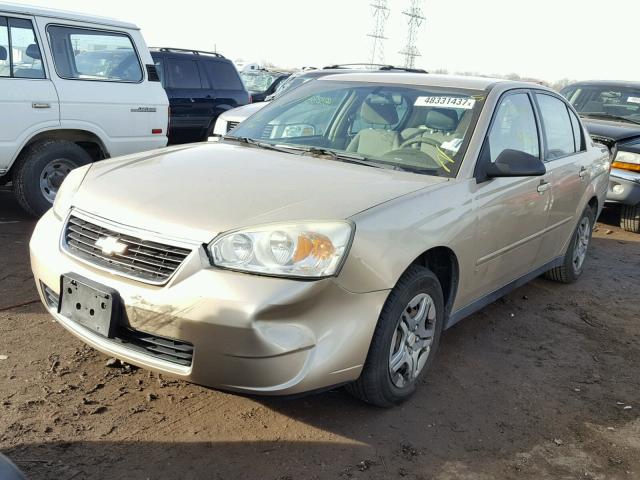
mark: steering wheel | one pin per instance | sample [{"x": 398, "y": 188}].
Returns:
[{"x": 413, "y": 141}]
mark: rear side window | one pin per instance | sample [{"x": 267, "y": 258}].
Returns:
[
  {"x": 183, "y": 74},
  {"x": 514, "y": 127},
  {"x": 19, "y": 51},
  {"x": 223, "y": 75},
  {"x": 83, "y": 54},
  {"x": 557, "y": 126},
  {"x": 5, "y": 67}
]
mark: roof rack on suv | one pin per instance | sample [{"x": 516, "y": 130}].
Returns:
[
  {"x": 186, "y": 50},
  {"x": 374, "y": 66}
]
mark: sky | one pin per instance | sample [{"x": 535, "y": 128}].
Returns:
[{"x": 545, "y": 39}]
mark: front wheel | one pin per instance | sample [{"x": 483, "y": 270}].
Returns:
[
  {"x": 573, "y": 262},
  {"x": 630, "y": 218},
  {"x": 405, "y": 340}
]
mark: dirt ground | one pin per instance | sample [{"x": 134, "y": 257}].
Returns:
[{"x": 543, "y": 384}]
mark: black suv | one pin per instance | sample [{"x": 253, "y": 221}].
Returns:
[{"x": 200, "y": 86}]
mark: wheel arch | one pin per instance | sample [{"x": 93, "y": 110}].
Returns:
[
  {"x": 88, "y": 141},
  {"x": 443, "y": 262}
]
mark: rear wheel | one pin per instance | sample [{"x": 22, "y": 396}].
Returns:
[
  {"x": 630, "y": 218},
  {"x": 573, "y": 262},
  {"x": 404, "y": 342},
  {"x": 40, "y": 171}
]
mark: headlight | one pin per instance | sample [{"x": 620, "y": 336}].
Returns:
[
  {"x": 627, "y": 161},
  {"x": 302, "y": 249},
  {"x": 67, "y": 190}
]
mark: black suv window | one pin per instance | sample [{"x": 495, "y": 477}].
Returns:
[
  {"x": 557, "y": 126},
  {"x": 183, "y": 74},
  {"x": 223, "y": 75}
]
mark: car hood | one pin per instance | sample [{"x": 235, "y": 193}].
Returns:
[
  {"x": 612, "y": 130},
  {"x": 199, "y": 191},
  {"x": 241, "y": 113}
]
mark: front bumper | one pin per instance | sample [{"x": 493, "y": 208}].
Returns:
[
  {"x": 249, "y": 333},
  {"x": 624, "y": 187}
]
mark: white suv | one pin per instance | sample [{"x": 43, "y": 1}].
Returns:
[{"x": 73, "y": 89}]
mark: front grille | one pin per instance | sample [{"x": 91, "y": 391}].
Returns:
[
  {"x": 231, "y": 126},
  {"x": 162, "y": 348},
  {"x": 141, "y": 259}
]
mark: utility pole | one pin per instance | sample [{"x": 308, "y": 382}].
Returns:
[
  {"x": 380, "y": 16},
  {"x": 415, "y": 19}
]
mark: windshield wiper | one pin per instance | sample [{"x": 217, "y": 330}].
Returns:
[
  {"x": 257, "y": 143},
  {"x": 349, "y": 158},
  {"x": 609, "y": 116}
]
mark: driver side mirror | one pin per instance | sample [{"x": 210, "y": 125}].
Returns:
[{"x": 515, "y": 163}]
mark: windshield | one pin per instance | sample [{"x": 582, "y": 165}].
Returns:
[
  {"x": 413, "y": 128},
  {"x": 257, "y": 81},
  {"x": 605, "y": 100}
]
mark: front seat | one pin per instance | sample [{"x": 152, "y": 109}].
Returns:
[{"x": 374, "y": 141}]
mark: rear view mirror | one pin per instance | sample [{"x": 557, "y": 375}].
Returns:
[
  {"x": 3, "y": 54},
  {"x": 33, "y": 52},
  {"x": 514, "y": 163}
]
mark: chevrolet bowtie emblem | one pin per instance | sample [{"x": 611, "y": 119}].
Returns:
[{"x": 111, "y": 245}]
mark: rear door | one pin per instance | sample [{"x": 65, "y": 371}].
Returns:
[
  {"x": 103, "y": 85},
  {"x": 512, "y": 212},
  {"x": 225, "y": 80},
  {"x": 567, "y": 161},
  {"x": 187, "y": 91},
  {"x": 28, "y": 100}
]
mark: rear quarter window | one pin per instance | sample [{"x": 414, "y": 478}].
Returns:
[
  {"x": 86, "y": 54},
  {"x": 223, "y": 75}
]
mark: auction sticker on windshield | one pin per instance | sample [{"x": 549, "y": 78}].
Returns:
[{"x": 466, "y": 103}]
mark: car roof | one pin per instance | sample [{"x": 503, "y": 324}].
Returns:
[
  {"x": 64, "y": 15},
  {"x": 431, "y": 80},
  {"x": 615, "y": 83}
]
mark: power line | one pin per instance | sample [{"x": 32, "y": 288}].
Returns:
[
  {"x": 380, "y": 16},
  {"x": 415, "y": 19}
]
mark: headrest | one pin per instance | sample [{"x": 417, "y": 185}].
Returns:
[
  {"x": 33, "y": 52},
  {"x": 379, "y": 112},
  {"x": 3, "y": 53},
  {"x": 442, "y": 119}
]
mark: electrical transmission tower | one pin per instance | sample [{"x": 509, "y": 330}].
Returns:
[
  {"x": 416, "y": 18},
  {"x": 380, "y": 16}
]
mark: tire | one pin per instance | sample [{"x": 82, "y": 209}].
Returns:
[
  {"x": 58, "y": 156},
  {"x": 376, "y": 384},
  {"x": 630, "y": 218},
  {"x": 569, "y": 271}
]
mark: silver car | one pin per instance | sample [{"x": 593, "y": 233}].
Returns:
[{"x": 330, "y": 240}]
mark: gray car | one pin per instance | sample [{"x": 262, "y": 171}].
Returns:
[{"x": 330, "y": 239}]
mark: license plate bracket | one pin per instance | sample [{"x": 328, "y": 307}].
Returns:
[{"x": 89, "y": 304}]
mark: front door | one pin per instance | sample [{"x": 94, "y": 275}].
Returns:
[
  {"x": 512, "y": 213},
  {"x": 28, "y": 99}
]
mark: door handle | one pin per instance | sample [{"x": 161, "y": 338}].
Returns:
[
  {"x": 543, "y": 187},
  {"x": 583, "y": 172},
  {"x": 40, "y": 105}
]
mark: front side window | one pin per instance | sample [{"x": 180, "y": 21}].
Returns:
[
  {"x": 406, "y": 127},
  {"x": 514, "y": 127},
  {"x": 557, "y": 126},
  {"x": 20, "y": 55},
  {"x": 606, "y": 101},
  {"x": 183, "y": 74},
  {"x": 82, "y": 54}
]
